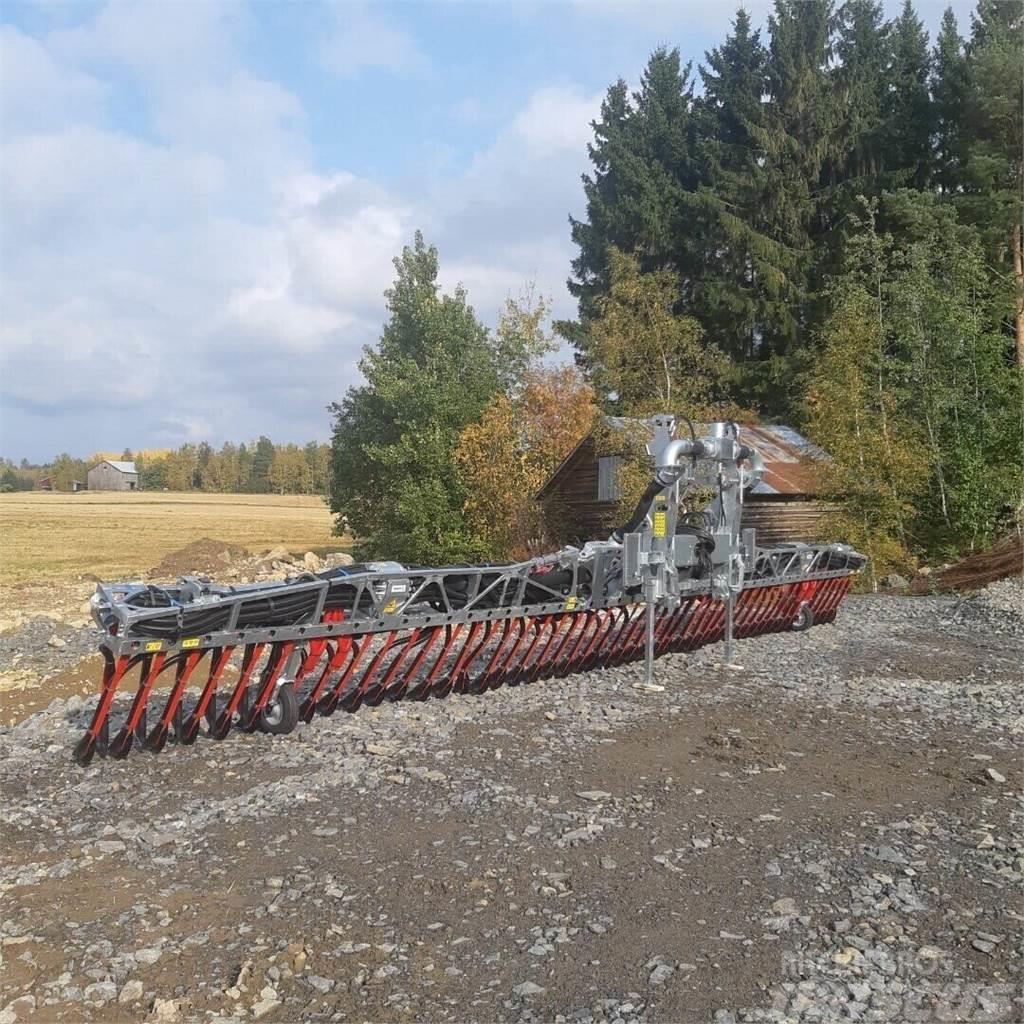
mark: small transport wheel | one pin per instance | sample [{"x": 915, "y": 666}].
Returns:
[
  {"x": 280, "y": 715},
  {"x": 804, "y": 619}
]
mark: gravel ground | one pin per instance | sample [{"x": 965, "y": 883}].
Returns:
[{"x": 832, "y": 832}]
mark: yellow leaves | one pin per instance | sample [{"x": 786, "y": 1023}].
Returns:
[
  {"x": 876, "y": 469},
  {"x": 289, "y": 471},
  {"x": 507, "y": 456}
]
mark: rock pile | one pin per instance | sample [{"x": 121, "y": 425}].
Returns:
[{"x": 228, "y": 563}]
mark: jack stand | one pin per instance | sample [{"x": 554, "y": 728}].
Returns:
[
  {"x": 730, "y": 603},
  {"x": 648, "y": 682}
]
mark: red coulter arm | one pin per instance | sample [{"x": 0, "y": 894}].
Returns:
[
  {"x": 435, "y": 660},
  {"x": 280, "y": 653}
]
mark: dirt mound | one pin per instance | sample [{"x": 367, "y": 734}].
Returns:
[
  {"x": 203, "y": 557},
  {"x": 1005, "y": 558}
]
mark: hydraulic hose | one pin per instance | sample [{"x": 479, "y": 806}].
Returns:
[{"x": 643, "y": 506}]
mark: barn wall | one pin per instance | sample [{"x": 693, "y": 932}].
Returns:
[
  {"x": 105, "y": 478},
  {"x": 574, "y": 512},
  {"x": 781, "y": 521}
]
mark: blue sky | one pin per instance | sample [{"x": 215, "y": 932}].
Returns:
[{"x": 200, "y": 201}]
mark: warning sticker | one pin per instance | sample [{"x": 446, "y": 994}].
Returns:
[
  {"x": 570, "y": 603},
  {"x": 391, "y": 607},
  {"x": 192, "y": 641},
  {"x": 154, "y": 645},
  {"x": 660, "y": 523}
]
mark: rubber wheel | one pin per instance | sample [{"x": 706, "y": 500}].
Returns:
[
  {"x": 280, "y": 715},
  {"x": 804, "y": 620}
]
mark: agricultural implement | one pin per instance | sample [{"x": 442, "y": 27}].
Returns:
[{"x": 267, "y": 656}]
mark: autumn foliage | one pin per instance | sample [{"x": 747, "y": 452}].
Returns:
[{"x": 507, "y": 455}]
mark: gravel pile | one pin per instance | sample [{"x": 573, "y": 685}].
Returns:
[
  {"x": 999, "y": 605},
  {"x": 831, "y": 831}
]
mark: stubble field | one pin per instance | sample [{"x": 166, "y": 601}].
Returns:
[{"x": 109, "y": 535}]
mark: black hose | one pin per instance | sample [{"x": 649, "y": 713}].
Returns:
[{"x": 643, "y": 506}]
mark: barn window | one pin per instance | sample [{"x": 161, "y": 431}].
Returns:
[{"x": 608, "y": 478}]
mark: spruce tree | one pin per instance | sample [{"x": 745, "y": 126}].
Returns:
[
  {"x": 908, "y": 113},
  {"x": 259, "y": 472},
  {"x": 948, "y": 83},
  {"x": 610, "y": 153},
  {"x": 744, "y": 272},
  {"x": 643, "y": 161},
  {"x": 864, "y": 51},
  {"x": 799, "y": 139}
]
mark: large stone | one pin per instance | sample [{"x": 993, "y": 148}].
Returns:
[
  {"x": 660, "y": 975},
  {"x": 166, "y": 1010},
  {"x": 784, "y": 906},
  {"x": 18, "y": 1009},
  {"x": 268, "y": 1002},
  {"x": 527, "y": 988},
  {"x": 101, "y": 992},
  {"x": 131, "y": 992},
  {"x": 336, "y": 558}
]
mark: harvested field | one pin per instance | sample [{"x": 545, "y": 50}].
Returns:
[{"x": 107, "y": 535}]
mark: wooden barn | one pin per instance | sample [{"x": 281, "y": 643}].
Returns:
[
  {"x": 112, "y": 475},
  {"x": 583, "y": 492}
]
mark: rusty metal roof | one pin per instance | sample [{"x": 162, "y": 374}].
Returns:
[{"x": 791, "y": 460}]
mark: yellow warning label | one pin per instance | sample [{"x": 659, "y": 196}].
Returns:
[
  {"x": 192, "y": 641},
  {"x": 391, "y": 607},
  {"x": 154, "y": 645},
  {"x": 570, "y": 603},
  {"x": 660, "y": 525}
]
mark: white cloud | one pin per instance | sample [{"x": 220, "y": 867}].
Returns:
[
  {"x": 206, "y": 280},
  {"x": 36, "y": 92},
  {"x": 163, "y": 44},
  {"x": 360, "y": 39},
  {"x": 505, "y": 220}
]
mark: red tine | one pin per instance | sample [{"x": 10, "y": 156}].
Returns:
[
  {"x": 218, "y": 662},
  {"x": 249, "y": 662},
  {"x": 152, "y": 666},
  {"x": 403, "y": 684},
  {"x": 113, "y": 672},
  {"x": 343, "y": 649}
]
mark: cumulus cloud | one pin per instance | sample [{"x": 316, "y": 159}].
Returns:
[
  {"x": 36, "y": 91},
  {"x": 360, "y": 39},
  {"x": 202, "y": 278}
]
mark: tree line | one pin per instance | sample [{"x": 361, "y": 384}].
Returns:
[
  {"x": 820, "y": 224},
  {"x": 260, "y": 467}
]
